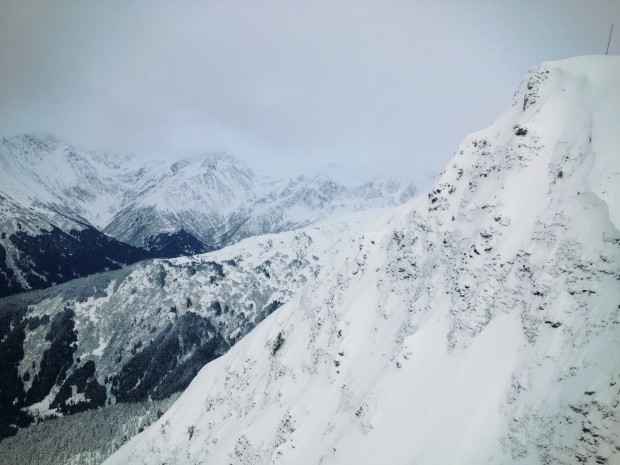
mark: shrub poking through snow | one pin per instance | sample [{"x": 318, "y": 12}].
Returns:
[{"x": 277, "y": 343}]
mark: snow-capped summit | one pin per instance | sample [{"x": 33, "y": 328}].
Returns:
[{"x": 478, "y": 324}]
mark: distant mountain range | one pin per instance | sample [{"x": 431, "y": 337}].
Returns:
[{"x": 67, "y": 212}]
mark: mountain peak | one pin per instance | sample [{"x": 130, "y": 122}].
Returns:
[
  {"x": 37, "y": 137},
  {"x": 32, "y": 144},
  {"x": 216, "y": 160}
]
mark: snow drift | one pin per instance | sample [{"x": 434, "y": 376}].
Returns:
[{"x": 478, "y": 324}]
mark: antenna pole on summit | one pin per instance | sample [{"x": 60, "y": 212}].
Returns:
[{"x": 609, "y": 41}]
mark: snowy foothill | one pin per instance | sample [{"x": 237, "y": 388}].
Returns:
[{"x": 476, "y": 324}]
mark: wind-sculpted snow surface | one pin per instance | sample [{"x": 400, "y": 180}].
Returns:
[
  {"x": 478, "y": 325},
  {"x": 144, "y": 332}
]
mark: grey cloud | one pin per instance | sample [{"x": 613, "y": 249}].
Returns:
[{"x": 381, "y": 87}]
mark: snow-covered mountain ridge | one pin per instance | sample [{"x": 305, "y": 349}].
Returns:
[
  {"x": 479, "y": 324},
  {"x": 162, "y": 209},
  {"x": 97, "y": 188}
]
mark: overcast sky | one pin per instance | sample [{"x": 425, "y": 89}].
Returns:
[{"x": 376, "y": 87}]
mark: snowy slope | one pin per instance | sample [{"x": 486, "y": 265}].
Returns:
[
  {"x": 478, "y": 325},
  {"x": 143, "y": 332}
]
